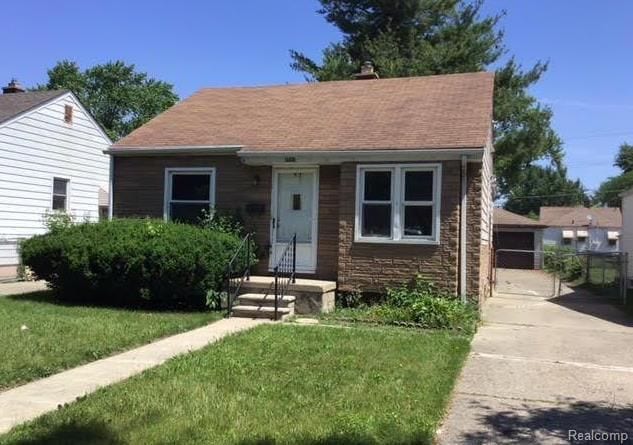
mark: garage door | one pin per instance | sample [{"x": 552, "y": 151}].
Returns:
[{"x": 515, "y": 241}]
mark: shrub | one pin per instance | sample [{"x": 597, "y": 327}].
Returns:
[
  {"x": 56, "y": 220},
  {"x": 562, "y": 261},
  {"x": 423, "y": 303},
  {"x": 223, "y": 222},
  {"x": 127, "y": 262},
  {"x": 420, "y": 303}
]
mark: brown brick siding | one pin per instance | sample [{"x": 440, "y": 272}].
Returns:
[
  {"x": 139, "y": 187},
  {"x": 327, "y": 253},
  {"x": 371, "y": 267},
  {"x": 473, "y": 228},
  {"x": 138, "y": 191}
]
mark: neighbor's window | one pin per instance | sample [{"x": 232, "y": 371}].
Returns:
[
  {"x": 60, "y": 194},
  {"x": 189, "y": 193},
  {"x": 398, "y": 203}
]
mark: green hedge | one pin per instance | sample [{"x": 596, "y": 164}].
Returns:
[{"x": 134, "y": 263}]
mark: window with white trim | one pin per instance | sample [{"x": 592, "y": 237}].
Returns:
[
  {"x": 60, "y": 194},
  {"x": 398, "y": 203},
  {"x": 189, "y": 193}
]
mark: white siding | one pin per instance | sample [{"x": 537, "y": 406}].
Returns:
[
  {"x": 597, "y": 240},
  {"x": 487, "y": 201},
  {"x": 37, "y": 147},
  {"x": 626, "y": 237}
]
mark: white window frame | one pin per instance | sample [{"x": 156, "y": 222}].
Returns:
[
  {"x": 170, "y": 172},
  {"x": 67, "y": 206},
  {"x": 398, "y": 203}
]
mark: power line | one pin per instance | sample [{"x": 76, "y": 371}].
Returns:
[{"x": 599, "y": 135}]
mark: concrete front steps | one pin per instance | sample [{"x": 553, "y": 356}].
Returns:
[
  {"x": 252, "y": 305},
  {"x": 303, "y": 297}
]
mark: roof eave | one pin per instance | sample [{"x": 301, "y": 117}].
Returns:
[
  {"x": 176, "y": 149},
  {"x": 323, "y": 157}
]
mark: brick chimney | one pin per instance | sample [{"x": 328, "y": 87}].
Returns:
[
  {"x": 13, "y": 87},
  {"x": 366, "y": 72}
]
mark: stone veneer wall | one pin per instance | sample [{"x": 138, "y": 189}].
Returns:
[
  {"x": 371, "y": 267},
  {"x": 474, "y": 263}
]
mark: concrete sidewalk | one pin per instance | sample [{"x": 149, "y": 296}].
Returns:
[
  {"x": 34, "y": 399},
  {"x": 21, "y": 287},
  {"x": 542, "y": 370}
]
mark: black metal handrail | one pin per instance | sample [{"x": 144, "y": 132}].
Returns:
[
  {"x": 238, "y": 270},
  {"x": 285, "y": 271}
]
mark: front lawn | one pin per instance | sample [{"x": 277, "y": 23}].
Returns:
[
  {"x": 39, "y": 337},
  {"x": 276, "y": 384}
]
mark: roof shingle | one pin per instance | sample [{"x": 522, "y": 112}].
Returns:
[
  {"x": 431, "y": 112},
  {"x": 504, "y": 218},
  {"x": 581, "y": 216},
  {"x": 14, "y": 104}
]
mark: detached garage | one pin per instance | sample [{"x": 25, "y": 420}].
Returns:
[{"x": 513, "y": 233}]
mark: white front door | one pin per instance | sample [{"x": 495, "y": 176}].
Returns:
[{"x": 294, "y": 210}]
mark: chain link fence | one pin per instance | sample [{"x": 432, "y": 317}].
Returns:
[
  {"x": 603, "y": 273},
  {"x": 546, "y": 273}
]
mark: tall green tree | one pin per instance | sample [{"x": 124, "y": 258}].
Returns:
[
  {"x": 624, "y": 158},
  {"x": 120, "y": 98},
  {"x": 423, "y": 37},
  {"x": 609, "y": 191},
  {"x": 544, "y": 186}
]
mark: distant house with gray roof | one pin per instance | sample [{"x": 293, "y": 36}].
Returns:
[{"x": 595, "y": 229}]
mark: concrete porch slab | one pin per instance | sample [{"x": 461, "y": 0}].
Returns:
[
  {"x": 301, "y": 284},
  {"x": 312, "y": 296}
]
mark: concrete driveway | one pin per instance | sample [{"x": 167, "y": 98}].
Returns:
[{"x": 545, "y": 370}]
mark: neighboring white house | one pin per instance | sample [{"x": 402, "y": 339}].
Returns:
[
  {"x": 626, "y": 240},
  {"x": 51, "y": 159},
  {"x": 595, "y": 229}
]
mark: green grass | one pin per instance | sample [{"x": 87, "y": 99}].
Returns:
[
  {"x": 62, "y": 336},
  {"x": 276, "y": 384}
]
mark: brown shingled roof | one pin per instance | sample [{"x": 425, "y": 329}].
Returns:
[
  {"x": 448, "y": 111},
  {"x": 578, "y": 216},
  {"x": 504, "y": 218}
]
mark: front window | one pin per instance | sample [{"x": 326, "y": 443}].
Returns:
[
  {"x": 377, "y": 204},
  {"x": 398, "y": 203},
  {"x": 189, "y": 193},
  {"x": 60, "y": 194}
]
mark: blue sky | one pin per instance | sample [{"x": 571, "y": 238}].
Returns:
[{"x": 193, "y": 44}]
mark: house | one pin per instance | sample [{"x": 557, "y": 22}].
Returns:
[
  {"x": 52, "y": 159},
  {"x": 595, "y": 229},
  {"x": 626, "y": 237},
  {"x": 380, "y": 179},
  {"x": 517, "y": 241}
]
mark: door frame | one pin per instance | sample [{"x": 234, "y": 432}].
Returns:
[{"x": 315, "y": 212}]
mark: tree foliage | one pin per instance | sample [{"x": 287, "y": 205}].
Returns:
[
  {"x": 544, "y": 186},
  {"x": 424, "y": 37},
  {"x": 609, "y": 191},
  {"x": 624, "y": 159},
  {"x": 119, "y": 98}
]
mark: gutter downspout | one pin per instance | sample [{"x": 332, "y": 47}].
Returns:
[
  {"x": 111, "y": 189},
  {"x": 462, "y": 229}
]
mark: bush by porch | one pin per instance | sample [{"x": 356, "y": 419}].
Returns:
[{"x": 132, "y": 262}]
